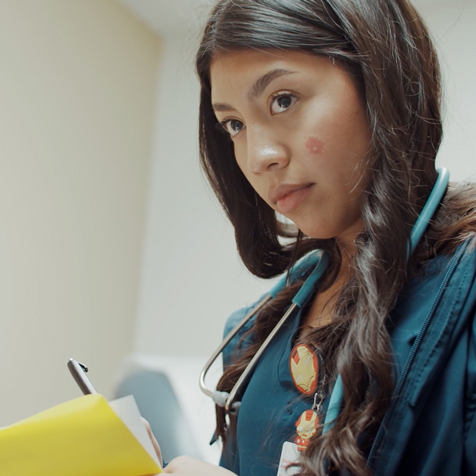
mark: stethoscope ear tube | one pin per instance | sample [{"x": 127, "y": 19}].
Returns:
[
  {"x": 250, "y": 367},
  {"x": 317, "y": 259},
  {"x": 217, "y": 396},
  {"x": 224, "y": 399},
  {"x": 429, "y": 209}
]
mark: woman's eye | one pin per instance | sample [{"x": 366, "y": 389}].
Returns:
[
  {"x": 232, "y": 126},
  {"x": 282, "y": 102}
]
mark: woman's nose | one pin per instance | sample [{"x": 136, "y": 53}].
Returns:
[{"x": 265, "y": 151}]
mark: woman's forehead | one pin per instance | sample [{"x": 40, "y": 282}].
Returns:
[{"x": 253, "y": 70}]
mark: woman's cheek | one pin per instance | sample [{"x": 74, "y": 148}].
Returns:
[{"x": 314, "y": 145}]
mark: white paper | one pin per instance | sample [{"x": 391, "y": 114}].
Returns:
[
  {"x": 289, "y": 455},
  {"x": 126, "y": 409}
]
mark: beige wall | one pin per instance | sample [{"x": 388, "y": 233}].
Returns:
[{"x": 77, "y": 88}]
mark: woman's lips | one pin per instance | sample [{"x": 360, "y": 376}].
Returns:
[{"x": 288, "y": 197}]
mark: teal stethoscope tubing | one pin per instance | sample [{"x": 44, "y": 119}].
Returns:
[
  {"x": 317, "y": 259},
  {"x": 320, "y": 261}
]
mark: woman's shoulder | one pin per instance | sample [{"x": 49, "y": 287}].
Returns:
[
  {"x": 453, "y": 225},
  {"x": 237, "y": 316},
  {"x": 238, "y": 319},
  {"x": 431, "y": 327},
  {"x": 460, "y": 202}
]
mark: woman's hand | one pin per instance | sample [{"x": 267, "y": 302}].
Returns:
[{"x": 186, "y": 466}]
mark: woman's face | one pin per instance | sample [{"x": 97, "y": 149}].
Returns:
[{"x": 300, "y": 133}]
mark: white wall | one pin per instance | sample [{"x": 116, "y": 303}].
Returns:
[
  {"x": 77, "y": 92},
  {"x": 191, "y": 275}
]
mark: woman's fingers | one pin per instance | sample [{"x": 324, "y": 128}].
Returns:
[{"x": 186, "y": 466}]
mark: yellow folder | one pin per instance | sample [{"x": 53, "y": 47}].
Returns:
[{"x": 83, "y": 437}]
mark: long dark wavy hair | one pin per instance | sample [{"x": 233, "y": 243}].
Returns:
[{"x": 386, "y": 47}]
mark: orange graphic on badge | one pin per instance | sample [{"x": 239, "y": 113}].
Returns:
[
  {"x": 304, "y": 369},
  {"x": 306, "y": 428}
]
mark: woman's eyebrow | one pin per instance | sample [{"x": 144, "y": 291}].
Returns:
[
  {"x": 222, "y": 107},
  {"x": 258, "y": 87},
  {"x": 261, "y": 83}
]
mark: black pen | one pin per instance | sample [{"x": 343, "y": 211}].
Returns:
[{"x": 78, "y": 371}]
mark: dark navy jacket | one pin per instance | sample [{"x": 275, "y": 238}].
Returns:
[{"x": 429, "y": 428}]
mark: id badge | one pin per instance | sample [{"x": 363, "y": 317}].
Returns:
[{"x": 290, "y": 457}]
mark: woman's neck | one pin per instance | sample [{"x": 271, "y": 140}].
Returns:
[{"x": 322, "y": 308}]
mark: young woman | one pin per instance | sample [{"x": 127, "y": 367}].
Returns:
[{"x": 320, "y": 125}]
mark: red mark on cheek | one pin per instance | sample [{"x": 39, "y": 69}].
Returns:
[{"x": 314, "y": 146}]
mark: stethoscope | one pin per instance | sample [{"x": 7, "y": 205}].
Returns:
[{"x": 319, "y": 260}]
